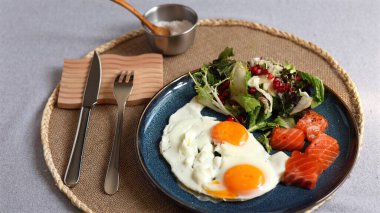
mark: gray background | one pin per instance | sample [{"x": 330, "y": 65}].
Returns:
[{"x": 36, "y": 35}]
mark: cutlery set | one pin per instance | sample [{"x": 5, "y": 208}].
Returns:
[{"x": 122, "y": 89}]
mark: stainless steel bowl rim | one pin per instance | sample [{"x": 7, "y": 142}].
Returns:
[{"x": 166, "y": 5}]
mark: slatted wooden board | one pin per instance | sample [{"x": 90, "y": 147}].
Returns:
[{"x": 148, "y": 78}]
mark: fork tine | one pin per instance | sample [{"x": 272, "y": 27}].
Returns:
[
  {"x": 118, "y": 77},
  {"x": 122, "y": 77},
  {"x": 129, "y": 75},
  {"x": 132, "y": 74},
  {"x": 125, "y": 76}
]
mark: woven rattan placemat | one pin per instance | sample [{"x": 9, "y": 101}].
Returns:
[{"x": 136, "y": 194}]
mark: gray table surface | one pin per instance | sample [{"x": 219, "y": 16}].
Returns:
[{"x": 36, "y": 35}]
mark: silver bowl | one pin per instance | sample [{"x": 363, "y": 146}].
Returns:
[{"x": 174, "y": 44}]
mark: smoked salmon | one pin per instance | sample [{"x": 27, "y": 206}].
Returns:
[
  {"x": 325, "y": 148},
  {"x": 312, "y": 124},
  {"x": 301, "y": 170},
  {"x": 287, "y": 139}
]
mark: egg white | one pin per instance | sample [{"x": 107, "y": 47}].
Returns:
[{"x": 187, "y": 146}]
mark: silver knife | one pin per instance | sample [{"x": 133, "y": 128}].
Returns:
[{"x": 90, "y": 97}]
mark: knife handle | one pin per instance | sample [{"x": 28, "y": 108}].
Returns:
[{"x": 73, "y": 167}]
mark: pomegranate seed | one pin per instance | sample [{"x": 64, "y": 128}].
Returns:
[
  {"x": 225, "y": 85},
  {"x": 270, "y": 76},
  {"x": 226, "y": 94},
  {"x": 298, "y": 78},
  {"x": 277, "y": 82},
  {"x": 251, "y": 90},
  {"x": 277, "y": 79},
  {"x": 286, "y": 87},
  {"x": 230, "y": 118},
  {"x": 256, "y": 70},
  {"x": 280, "y": 90},
  {"x": 221, "y": 98},
  {"x": 264, "y": 72}
]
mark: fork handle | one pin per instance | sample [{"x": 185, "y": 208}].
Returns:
[
  {"x": 111, "y": 182},
  {"x": 73, "y": 167}
]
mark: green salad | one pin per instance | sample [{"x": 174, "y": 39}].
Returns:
[{"x": 260, "y": 94}]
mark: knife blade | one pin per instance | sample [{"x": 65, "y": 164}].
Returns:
[{"x": 90, "y": 97}]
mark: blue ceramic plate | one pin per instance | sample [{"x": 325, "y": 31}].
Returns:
[{"x": 280, "y": 199}]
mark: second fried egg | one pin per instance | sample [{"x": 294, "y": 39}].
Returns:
[{"x": 219, "y": 159}]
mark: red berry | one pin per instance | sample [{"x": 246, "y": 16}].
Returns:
[
  {"x": 286, "y": 87},
  {"x": 230, "y": 118},
  {"x": 277, "y": 79},
  {"x": 251, "y": 90},
  {"x": 226, "y": 94},
  {"x": 256, "y": 70},
  {"x": 270, "y": 76},
  {"x": 264, "y": 72},
  {"x": 277, "y": 82},
  {"x": 221, "y": 98},
  {"x": 280, "y": 89},
  {"x": 225, "y": 85},
  {"x": 298, "y": 78}
]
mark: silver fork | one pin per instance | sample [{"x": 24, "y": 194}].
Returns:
[{"x": 122, "y": 89}]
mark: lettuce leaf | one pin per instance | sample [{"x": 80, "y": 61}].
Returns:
[
  {"x": 208, "y": 94},
  {"x": 319, "y": 90},
  {"x": 248, "y": 102},
  {"x": 264, "y": 140},
  {"x": 227, "y": 52},
  {"x": 288, "y": 122},
  {"x": 221, "y": 68},
  {"x": 238, "y": 79}
]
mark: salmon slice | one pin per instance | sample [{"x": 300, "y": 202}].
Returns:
[
  {"x": 312, "y": 124},
  {"x": 287, "y": 139},
  {"x": 301, "y": 170},
  {"x": 325, "y": 148}
]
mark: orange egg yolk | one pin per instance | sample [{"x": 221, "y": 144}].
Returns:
[
  {"x": 224, "y": 194},
  {"x": 229, "y": 131},
  {"x": 242, "y": 179}
]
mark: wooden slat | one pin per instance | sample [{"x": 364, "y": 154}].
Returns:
[{"x": 148, "y": 79}]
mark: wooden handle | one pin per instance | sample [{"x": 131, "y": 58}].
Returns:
[
  {"x": 133, "y": 10},
  {"x": 162, "y": 31}
]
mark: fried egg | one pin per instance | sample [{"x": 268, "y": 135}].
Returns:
[{"x": 219, "y": 159}]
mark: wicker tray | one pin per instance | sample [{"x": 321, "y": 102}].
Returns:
[{"x": 136, "y": 194}]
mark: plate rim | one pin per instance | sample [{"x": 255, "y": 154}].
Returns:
[{"x": 302, "y": 208}]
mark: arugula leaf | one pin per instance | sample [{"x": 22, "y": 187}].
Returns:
[
  {"x": 264, "y": 140},
  {"x": 290, "y": 67},
  {"x": 226, "y": 53},
  {"x": 319, "y": 89},
  {"x": 221, "y": 67},
  {"x": 285, "y": 122},
  {"x": 263, "y": 125}
]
